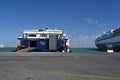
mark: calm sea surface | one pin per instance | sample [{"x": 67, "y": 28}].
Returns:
[
  {"x": 74, "y": 50},
  {"x": 8, "y": 49}
]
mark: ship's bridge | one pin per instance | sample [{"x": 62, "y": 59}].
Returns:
[{"x": 45, "y": 33}]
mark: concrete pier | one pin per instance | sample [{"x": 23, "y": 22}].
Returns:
[{"x": 59, "y": 66}]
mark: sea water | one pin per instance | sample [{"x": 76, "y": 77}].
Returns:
[
  {"x": 8, "y": 49},
  {"x": 74, "y": 50}
]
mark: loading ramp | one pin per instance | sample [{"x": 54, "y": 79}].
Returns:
[{"x": 26, "y": 49}]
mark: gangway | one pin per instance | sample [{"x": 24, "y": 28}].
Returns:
[{"x": 26, "y": 49}]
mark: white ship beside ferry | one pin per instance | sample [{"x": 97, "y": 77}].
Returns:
[
  {"x": 44, "y": 40},
  {"x": 109, "y": 40}
]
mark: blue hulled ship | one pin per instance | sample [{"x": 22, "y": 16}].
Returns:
[{"x": 44, "y": 40}]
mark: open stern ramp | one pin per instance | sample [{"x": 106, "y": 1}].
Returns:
[{"x": 26, "y": 49}]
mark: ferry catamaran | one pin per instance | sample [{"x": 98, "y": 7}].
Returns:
[
  {"x": 109, "y": 40},
  {"x": 44, "y": 40}
]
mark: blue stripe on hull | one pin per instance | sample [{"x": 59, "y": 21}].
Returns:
[
  {"x": 25, "y": 42},
  {"x": 116, "y": 46},
  {"x": 41, "y": 44}
]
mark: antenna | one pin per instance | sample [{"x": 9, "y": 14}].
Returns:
[
  {"x": 21, "y": 30},
  {"x": 46, "y": 27}
]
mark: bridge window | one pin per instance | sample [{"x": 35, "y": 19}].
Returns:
[
  {"x": 32, "y": 35},
  {"x": 43, "y": 35}
]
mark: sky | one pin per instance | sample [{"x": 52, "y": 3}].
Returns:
[{"x": 82, "y": 20}]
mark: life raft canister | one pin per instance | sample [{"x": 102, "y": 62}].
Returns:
[{"x": 21, "y": 46}]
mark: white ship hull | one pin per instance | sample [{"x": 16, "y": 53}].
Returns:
[
  {"x": 105, "y": 41},
  {"x": 113, "y": 42}
]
